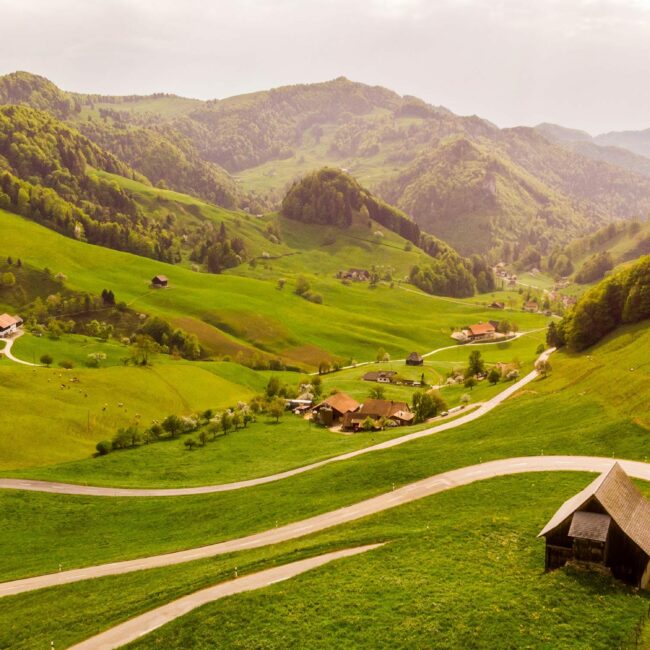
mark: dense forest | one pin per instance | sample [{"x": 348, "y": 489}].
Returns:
[
  {"x": 623, "y": 297},
  {"x": 332, "y": 197},
  {"x": 44, "y": 176}
]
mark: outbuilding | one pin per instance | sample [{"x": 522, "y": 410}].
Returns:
[
  {"x": 160, "y": 281},
  {"x": 414, "y": 359},
  {"x": 607, "y": 524},
  {"x": 9, "y": 324}
]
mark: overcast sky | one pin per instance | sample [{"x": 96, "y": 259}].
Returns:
[{"x": 581, "y": 63}]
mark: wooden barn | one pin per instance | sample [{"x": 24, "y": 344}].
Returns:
[
  {"x": 160, "y": 281},
  {"x": 334, "y": 408},
  {"x": 608, "y": 523},
  {"x": 414, "y": 359}
]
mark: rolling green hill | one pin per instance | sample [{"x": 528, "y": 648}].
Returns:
[
  {"x": 477, "y": 200},
  {"x": 247, "y": 313}
]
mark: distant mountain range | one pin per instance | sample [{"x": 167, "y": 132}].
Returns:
[
  {"x": 480, "y": 188},
  {"x": 627, "y": 149}
]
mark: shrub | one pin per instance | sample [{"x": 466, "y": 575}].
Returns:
[{"x": 104, "y": 447}]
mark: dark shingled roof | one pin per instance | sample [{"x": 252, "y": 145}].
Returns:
[
  {"x": 590, "y": 525},
  {"x": 620, "y": 499}
]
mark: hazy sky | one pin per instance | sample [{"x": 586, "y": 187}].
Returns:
[{"x": 581, "y": 63}]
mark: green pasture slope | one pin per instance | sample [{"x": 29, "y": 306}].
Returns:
[
  {"x": 459, "y": 569},
  {"x": 231, "y": 313},
  {"x": 592, "y": 404},
  {"x": 438, "y": 572},
  {"x": 84, "y": 413}
]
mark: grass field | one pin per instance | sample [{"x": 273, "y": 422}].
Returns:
[
  {"x": 70, "y": 347},
  {"x": 64, "y": 419},
  {"x": 240, "y": 455},
  {"x": 604, "y": 412},
  {"x": 234, "y": 314},
  {"x": 433, "y": 584}
]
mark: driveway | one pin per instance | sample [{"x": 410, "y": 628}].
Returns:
[{"x": 9, "y": 342}]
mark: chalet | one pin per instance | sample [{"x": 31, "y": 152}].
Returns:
[
  {"x": 377, "y": 409},
  {"x": 481, "y": 331},
  {"x": 606, "y": 524},
  {"x": 497, "y": 304},
  {"x": 160, "y": 281},
  {"x": 334, "y": 408},
  {"x": 414, "y": 359},
  {"x": 9, "y": 324},
  {"x": 381, "y": 376}
]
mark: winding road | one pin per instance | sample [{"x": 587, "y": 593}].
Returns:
[
  {"x": 137, "y": 627},
  {"x": 7, "y": 350},
  {"x": 89, "y": 490},
  {"x": 412, "y": 492}
]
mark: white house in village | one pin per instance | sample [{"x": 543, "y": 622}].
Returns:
[{"x": 9, "y": 324}]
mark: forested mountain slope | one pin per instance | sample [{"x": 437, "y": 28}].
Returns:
[{"x": 397, "y": 146}]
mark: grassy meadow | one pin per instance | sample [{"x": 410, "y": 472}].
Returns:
[
  {"x": 233, "y": 314},
  {"x": 604, "y": 412},
  {"x": 432, "y": 584}
]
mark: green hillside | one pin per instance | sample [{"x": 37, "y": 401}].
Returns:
[{"x": 233, "y": 313}]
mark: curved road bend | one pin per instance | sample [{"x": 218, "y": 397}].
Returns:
[
  {"x": 7, "y": 351},
  {"x": 89, "y": 490},
  {"x": 145, "y": 623},
  {"x": 401, "y": 496}
]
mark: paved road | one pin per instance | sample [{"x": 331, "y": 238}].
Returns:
[
  {"x": 89, "y": 490},
  {"x": 398, "y": 497},
  {"x": 145, "y": 623},
  {"x": 7, "y": 350},
  {"x": 361, "y": 364}
]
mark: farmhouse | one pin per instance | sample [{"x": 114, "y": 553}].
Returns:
[
  {"x": 160, "y": 281},
  {"x": 481, "y": 331},
  {"x": 608, "y": 524},
  {"x": 9, "y": 324},
  {"x": 334, "y": 408},
  {"x": 414, "y": 359},
  {"x": 381, "y": 376},
  {"x": 376, "y": 409}
]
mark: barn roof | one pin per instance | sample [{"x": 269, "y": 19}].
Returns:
[
  {"x": 414, "y": 356},
  {"x": 382, "y": 407},
  {"x": 161, "y": 278},
  {"x": 481, "y": 328},
  {"x": 590, "y": 525},
  {"x": 7, "y": 321},
  {"x": 340, "y": 402},
  {"x": 622, "y": 501}
]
